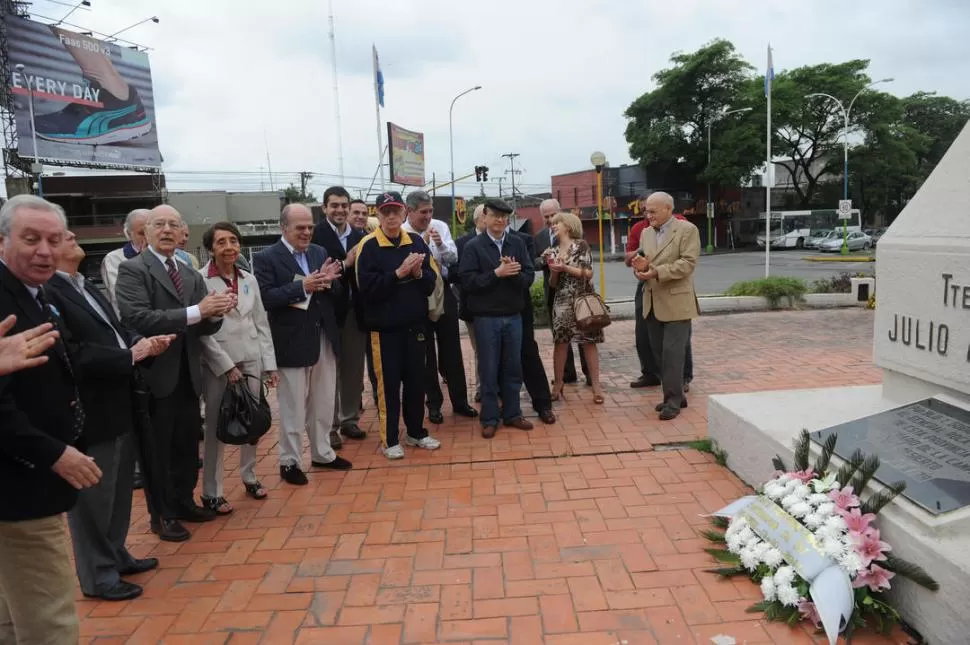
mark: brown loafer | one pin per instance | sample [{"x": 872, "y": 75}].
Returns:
[
  {"x": 488, "y": 431},
  {"x": 547, "y": 417},
  {"x": 520, "y": 424}
]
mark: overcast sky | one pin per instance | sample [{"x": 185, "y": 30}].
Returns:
[{"x": 556, "y": 74}]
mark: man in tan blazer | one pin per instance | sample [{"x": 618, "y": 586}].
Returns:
[{"x": 665, "y": 263}]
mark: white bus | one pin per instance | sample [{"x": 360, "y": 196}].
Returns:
[{"x": 791, "y": 229}]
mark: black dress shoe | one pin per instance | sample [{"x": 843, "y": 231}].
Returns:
[
  {"x": 293, "y": 475},
  {"x": 669, "y": 413},
  {"x": 139, "y": 566},
  {"x": 478, "y": 397},
  {"x": 660, "y": 406},
  {"x": 466, "y": 411},
  {"x": 170, "y": 531},
  {"x": 547, "y": 417},
  {"x": 435, "y": 416},
  {"x": 645, "y": 381},
  {"x": 338, "y": 463},
  {"x": 138, "y": 482},
  {"x": 353, "y": 431},
  {"x": 196, "y": 514},
  {"x": 121, "y": 591}
]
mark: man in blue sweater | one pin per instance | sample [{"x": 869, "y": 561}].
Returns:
[
  {"x": 395, "y": 278},
  {"x": 496, "y": 270}
]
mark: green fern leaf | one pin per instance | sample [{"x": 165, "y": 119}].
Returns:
[
  {"x": 728, "y": 572},
  {"x": 723, "y": 555},
  {"x": 822, "y": 463},
  {"x": 911, "y": 571},
  {"x": 876, "y": 503},
  {"x": 779, "y": 463},
  {"x": 714, "y": 536},
  {"x": 866, "y": 472},
  {"x": 849, "y": 467},
  {"x": 802, "y": 445},
  {"x": 720, "y": 522}
]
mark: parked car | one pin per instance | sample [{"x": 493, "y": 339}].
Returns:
[
  {"x": 875, "y": 234},
  {"x": 816, "y": 238},
  {"x": 856, "y": 241}
]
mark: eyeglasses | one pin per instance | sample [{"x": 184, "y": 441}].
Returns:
[{"x": 163, "y": 224}]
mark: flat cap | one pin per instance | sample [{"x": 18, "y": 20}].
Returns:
[{"x": 498, "y": 205}]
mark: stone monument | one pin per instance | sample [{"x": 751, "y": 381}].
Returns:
[{"x": 918, "y": 420}]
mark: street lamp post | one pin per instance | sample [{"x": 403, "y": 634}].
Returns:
[
  {"x": 846, "y": 111},
  {"x": 36, "y": 168},
  {"x": 451, "y": 146},
  {"x": 598, "y": 159},
  {"x": 710, "y": 206}
]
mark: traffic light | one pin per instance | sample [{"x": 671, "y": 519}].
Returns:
[
  {"x": 478, "y": 173},
  {"x": 484, "y": 173}
]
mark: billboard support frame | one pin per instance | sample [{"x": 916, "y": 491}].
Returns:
[{"x": 14, "y": 165}]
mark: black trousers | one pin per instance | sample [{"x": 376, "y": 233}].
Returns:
[
  {"x": 668, "y": 340},
  {"x": 399, "y": 360},
  {"x": 175, "y": 423},
  {"x": 648, "y": 364},
  {"x": 371, "y": 376},
  {"x": 569, "y": 372},
  {"x": 447, "y": 361},
  {"x": 533, "y": 371}
]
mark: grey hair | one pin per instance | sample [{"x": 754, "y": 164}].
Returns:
[
  {"x": 132, "y": 216},
  {"x": 9, "y": 210},
  {"x": 417, "y": 198},
  {"x": 285, "y": 213},
  {"x": 664, "y": 198},
  {"x": 549, "y": 206}
]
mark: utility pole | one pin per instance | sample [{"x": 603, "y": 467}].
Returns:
[
  {"x": 304, "y": 178},
  {"x": 512, "y": 156},
  {"x": 500, "y": 180}
]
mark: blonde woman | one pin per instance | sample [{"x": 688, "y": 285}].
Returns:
[
  {"x": 571, "y": 275},
  {"x": 372, "y": 224}
]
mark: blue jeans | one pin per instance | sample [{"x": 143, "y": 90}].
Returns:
[{"x": 499, "y": 341}]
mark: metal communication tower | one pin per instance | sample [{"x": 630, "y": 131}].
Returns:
[{"x": 13, "y": 164}]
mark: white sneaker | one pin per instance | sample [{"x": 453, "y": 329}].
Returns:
[
  {"x": 394, "y": 452},
  {"x": 428, "y": 443}
]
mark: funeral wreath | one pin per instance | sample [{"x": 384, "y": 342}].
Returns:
[{"x": 812, "y": 543}]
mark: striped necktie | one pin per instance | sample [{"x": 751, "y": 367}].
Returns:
[
  {"x": 77, "y": 425},
  {"x": 173, "y": 273}
]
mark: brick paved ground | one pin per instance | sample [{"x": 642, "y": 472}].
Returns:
[{"x": 584, "y": 532}]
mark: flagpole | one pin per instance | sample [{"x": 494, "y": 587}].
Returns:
[
  {"x": 336, "y": 96},
  {"x": 377, "y": 109},
  {"x": 769, "y": 168}
]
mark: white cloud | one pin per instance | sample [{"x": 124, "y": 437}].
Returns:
[{"x": 556, "y": 76}]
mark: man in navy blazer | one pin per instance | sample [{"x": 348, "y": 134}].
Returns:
[
  {"x": 339, "y": 239},
  {"x": 299, "y": 285}
]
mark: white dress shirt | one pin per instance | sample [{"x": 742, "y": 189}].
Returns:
[
  {"x": 193, "y": 315},
  {"x": 446, "y": 253},
  {"x": 77, "y": 281}
]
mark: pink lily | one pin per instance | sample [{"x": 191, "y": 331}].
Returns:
[
  {"x": 875, "y": 577},
  {"x": 803, "y": 476},
  {"x": 870, "y": 547},
  {"x": 808, "y": 612},
  {"x": 856, "y": 522},
  {"x": 844, "y": 499}
]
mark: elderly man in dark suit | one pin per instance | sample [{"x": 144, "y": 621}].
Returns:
[
  {"x": 299, "y": 286},
  {"x": 104, "y": 354},
  {"x": 339, "y": 239},
  {"x": 41, "y": 422},
  {"x": 544, "y": 240},
  {"x": 158, "y": 294}
]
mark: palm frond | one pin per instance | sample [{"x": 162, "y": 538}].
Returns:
[
  {"x": 713, "y": 536},
  {"x": 866, "y": 472},
  {"x": 911, "y": 571},
  {"x": 822, "y": 463},
  {"x": 802, "y": 445},
  {"x": 779, "y": 464},
  {"x": 876, "y": 503},
  {"x": 720, "y": 522},
  {"x": 723, "y": 555},
  {"x": 849, "y": 467},
  {"x": 728, "y": 572},
  {"x": 773, "y": 610}
]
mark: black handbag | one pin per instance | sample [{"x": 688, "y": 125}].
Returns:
[{"x": 243, "y": 418}]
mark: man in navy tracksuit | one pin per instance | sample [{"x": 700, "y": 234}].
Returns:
[
  {"x": 496, "y": 270},
  {"x": 395, "y": 278}
]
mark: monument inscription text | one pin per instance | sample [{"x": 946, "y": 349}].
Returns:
[{"x": 930, "y": 335}]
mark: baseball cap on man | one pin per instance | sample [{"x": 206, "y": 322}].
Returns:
[{"x": 390, "y": 198}]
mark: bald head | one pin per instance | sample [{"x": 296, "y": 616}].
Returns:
[
  {"x": 547, "y": 209},
  {"x": 659, "y": 208},
  {"x": 296, "y": 222},
  {"x": 164, "y": 229}
]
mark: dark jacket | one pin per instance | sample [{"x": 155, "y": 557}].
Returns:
[
  {"x": 150, "y": 305},
  {"x": 487, "y": 294},
  {"x": 324, "y": 236},
  {"x": 389, "y": 303},
  {"x": 541, "y": 244},
  {"x": 456, "y": 281},
  {"x": 104, "y": 371},
  {"x": 36, "y": 419},
  {"x": 296, "y": 332}
]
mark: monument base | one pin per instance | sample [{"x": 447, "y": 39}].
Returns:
[{"x": 752, "y": 428}]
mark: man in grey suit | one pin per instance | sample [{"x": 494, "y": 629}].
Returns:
[{"x": 158, "y": 295}]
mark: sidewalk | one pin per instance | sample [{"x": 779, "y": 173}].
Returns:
[{"x": 583, "y": 532}]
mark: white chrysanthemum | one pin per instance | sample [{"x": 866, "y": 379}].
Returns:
[
  {"x": 773, "y": 557},
  {"x": 801, "y": 509},
  {"x": 734, "y": 543},
  {"x": 802, "y": 490},
  {"x": 784, "y": 576},
  {"x": 783, "y": 478},
  {"x": 813, "y": 520},
  {"x": 787, "y": 595},
  {"x": 832, "y": 548},
  {"x": 792, "y": 484},
  {"x": 836, "y": 522},
  {"x": 827, "y": 509},
  {"x": 816, "y": 499},
  {"x": 789, "y": 500},
  {"x": 768, "y": 588},
  {"x": 760, "y": 549},
  {"x": 749, "y": 559},
  {"x": 774, "y": 490},
  {"x": 826, "y": 532},
  {"x": 851, "y": 562},
  {"x": 746, "y": 534}
]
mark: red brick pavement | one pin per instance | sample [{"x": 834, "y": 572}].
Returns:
[{"x": 583, "y": 532}]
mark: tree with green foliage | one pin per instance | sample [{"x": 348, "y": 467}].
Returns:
[{"x": 294, "y": 194}]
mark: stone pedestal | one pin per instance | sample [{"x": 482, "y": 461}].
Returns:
[{"x": 922, "y": 342}]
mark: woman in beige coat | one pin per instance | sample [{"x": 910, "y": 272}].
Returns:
[{"x": 242, "y": 346}]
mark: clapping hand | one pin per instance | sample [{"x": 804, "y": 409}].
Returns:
[
  {"x": 640, "y": 263},
  {"x": 435, "y": 237},
  {"x": 26, "y": 349},
  {"x": 217, "y": 304},
  {"x": 555, "y": 264},
  {"x": 508, "y": 267},
  {"x": 330, "y": 270},
  {"x": 407, "y": 266},
  {"x": 418, "y": 266}
]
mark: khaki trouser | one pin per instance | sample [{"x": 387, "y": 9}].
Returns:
[{"x": 36, "y": 584}]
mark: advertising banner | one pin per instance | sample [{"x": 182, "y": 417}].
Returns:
[
  {"x": 407, "y": 156},
  {"x": 93, "y": 100}
]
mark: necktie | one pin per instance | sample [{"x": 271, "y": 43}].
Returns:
[
  {"x": 77, "y": 425},
  {"x": 173, "y": 273},
  {"x": 302, "y": 261}
]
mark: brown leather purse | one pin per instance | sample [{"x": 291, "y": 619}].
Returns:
[{"x": 592, "y": 314}]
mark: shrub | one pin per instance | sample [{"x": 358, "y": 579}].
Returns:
[
  {"x": 537, "y": 292},
  {"x": 773, "y": 289},
  {"x": 841, "y": 283}
]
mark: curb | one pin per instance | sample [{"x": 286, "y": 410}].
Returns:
[{"x": 839, "y": 258}]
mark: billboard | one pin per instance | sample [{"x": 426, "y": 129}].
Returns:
[
  {"x": 407, "y": 156},
  {"x": 93, "y": 100}
]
